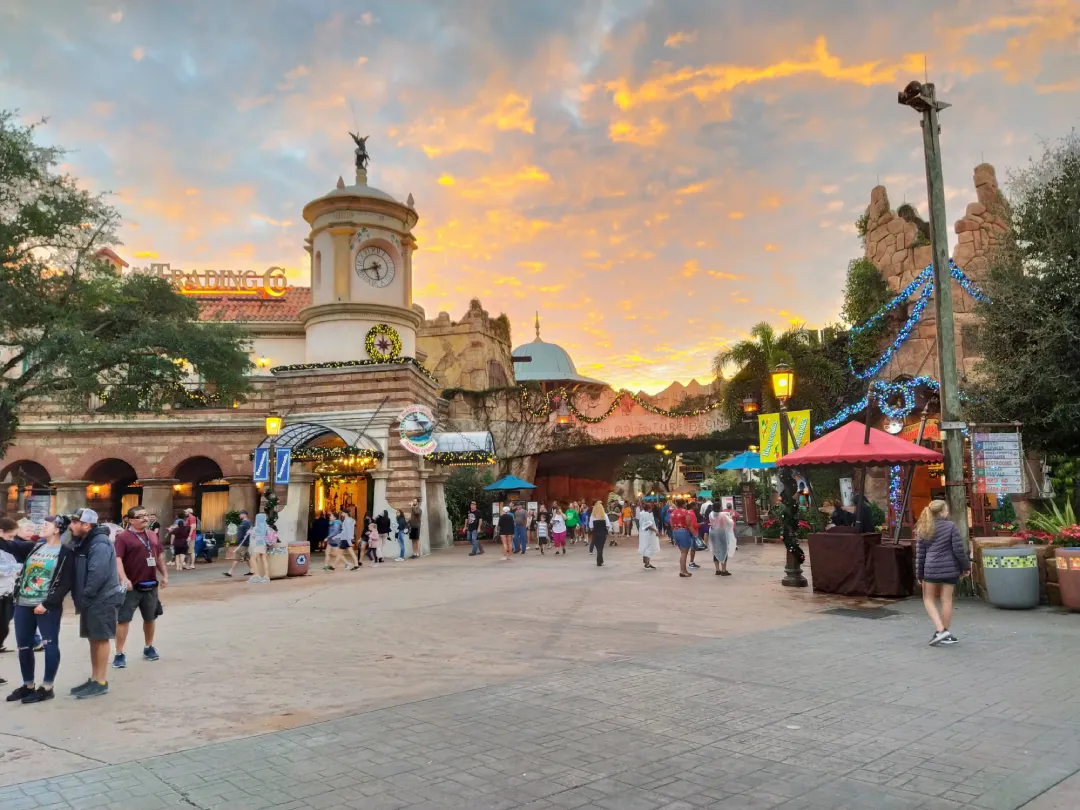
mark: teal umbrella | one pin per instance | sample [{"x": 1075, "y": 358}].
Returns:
[
  {"x": 509, "y": 483},
  {"x": 746, "y": 461}
]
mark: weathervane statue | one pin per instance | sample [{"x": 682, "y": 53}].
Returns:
[{"x": 362, "y": 156}]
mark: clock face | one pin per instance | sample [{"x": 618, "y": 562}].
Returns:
[{"x": 374, "y": 265}]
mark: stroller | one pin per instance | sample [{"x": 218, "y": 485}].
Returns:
[{"x": 206, "y": 547}]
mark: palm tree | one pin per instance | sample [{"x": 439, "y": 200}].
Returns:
[{"x": 818, "y": 381}]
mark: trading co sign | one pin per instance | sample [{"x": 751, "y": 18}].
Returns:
[{"x": 269, "y": 284}]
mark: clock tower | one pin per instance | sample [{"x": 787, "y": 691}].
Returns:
[{"x": 361, "y": 247}]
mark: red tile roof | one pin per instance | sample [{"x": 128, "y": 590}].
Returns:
[{"x": 253, "y": 309}]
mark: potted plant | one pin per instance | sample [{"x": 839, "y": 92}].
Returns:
[{"x": 1067, "y": 559}]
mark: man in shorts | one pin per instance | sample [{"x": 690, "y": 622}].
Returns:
[
  {"x": 140, "y": 564},
  {"x": 97, "y": 595},
  {"x": 243, "y": 544}
]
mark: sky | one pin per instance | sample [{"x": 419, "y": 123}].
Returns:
[{"x": 653, "y": 176}]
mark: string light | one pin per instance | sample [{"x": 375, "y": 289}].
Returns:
[
  {"x": 335, "y": 364},
  {"x": 924, "y": 278},
  {"x": 884, "y": 392},
  {"x": 176, "y": 394},
  {"x": 462, "y": 458},
  {"x": 895, "y": 494}
]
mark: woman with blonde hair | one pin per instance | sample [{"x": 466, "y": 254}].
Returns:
[
  {"x": 600, "y": 526},
  {"x": 940, "y": 562}
]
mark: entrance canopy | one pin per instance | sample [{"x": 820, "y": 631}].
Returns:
[
  {"x": 479, "y": 441},
  {"x": 303, "y": 433}
]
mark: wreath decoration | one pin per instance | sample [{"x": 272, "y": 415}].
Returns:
[{"x": 382, "y": 342}]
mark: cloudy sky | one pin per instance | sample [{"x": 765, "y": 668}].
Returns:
[{"x": 655, "y": 176}]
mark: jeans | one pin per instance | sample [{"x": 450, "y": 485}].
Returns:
[
  {"x": 27, "y": 623},
  {"x": 401, "y": 542},
  {"x": 521, "y": 538},
  {"x": 474, "y": 538}
]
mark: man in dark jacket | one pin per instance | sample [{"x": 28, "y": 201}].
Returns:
[{"x": 97, "y": 594}]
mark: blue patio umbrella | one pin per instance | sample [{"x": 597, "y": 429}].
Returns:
[
  {"x": 509, "y": 483},
  {"x": 746, "y": 461}
]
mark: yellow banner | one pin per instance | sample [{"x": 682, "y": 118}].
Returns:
[
  {"x": 800, "y": 426},
  {"x": 769, "y": 433},
  {"x": 769, "y": 436}
]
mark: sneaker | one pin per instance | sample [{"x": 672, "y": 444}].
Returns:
[
  {"x": 951, "y": 639},
  {"x": 402, "y": 559},
  {"x": 39, "y": 695},
  {"x": 150, "y": 654},
  {"x": 20, "y": 694},
  {"x": 39, "y": 647},
  {"x": 226, "y": 574},
  {"x": 693, "y": 566},
  {"x": 93, "y": 689},
  {"x": 471, "y": 554},
  {"x": 119, "y": 662},
  {"x": 415, "y": 557},
  {"x": 938, "y": 637},
  {"x": 81, "y": 687}
]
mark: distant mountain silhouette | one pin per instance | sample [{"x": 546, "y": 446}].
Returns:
[{"x": 672, "y": 396}]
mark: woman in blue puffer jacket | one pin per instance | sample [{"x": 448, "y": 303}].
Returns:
[{"x": 941, "y": 561}]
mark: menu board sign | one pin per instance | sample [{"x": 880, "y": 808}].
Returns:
[{"x": 997, "y": 463}]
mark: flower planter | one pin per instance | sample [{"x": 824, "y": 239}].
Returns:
[
  {"x": 1004, "y": 532},
  {"x": 1068, "y": 576},
  {"x": 1012, "y": 577}
]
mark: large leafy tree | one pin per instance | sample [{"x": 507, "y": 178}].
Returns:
[
  {"x": 819, "y": 379},
  {"x": 1031, "y": 370},
  {"x": 70, "y": 325}
]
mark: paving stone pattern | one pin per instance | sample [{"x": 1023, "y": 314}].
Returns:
[{"x": 834, "y": 714}]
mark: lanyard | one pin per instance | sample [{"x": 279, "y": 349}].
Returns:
[{"x": 145, "y": 541}]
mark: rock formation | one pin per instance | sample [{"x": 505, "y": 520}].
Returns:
[{"x": 892, "y": 244}]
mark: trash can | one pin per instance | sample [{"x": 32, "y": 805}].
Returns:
[
  {"x": 299, "y": 558},
  {"x": 277, "y": 560},
  {"x": 1012, "y": 577},
  {"x": 1068, "y": 576}
]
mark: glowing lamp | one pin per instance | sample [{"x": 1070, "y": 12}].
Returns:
[
  {"x": 659, "y": 446},
  {"x": 667, "y": 452},
  {"x": 95, "y": 489},
  {"x": 749, "y": 406},
  {"x": 783, "y": 381},
  {"x": 273, "y": 425}
]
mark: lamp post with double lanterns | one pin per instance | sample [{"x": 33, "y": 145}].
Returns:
[
  {"x": 783, "y": 385},
  {"x": 273, "y": 430}
]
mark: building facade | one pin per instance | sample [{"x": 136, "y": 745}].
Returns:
[{"x": 339, "y": 361}]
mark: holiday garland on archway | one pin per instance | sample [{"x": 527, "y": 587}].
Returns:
[{"x": 551, "y": 399}]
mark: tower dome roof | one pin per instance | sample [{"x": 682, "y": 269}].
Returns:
[{"x": 549, "y": 362}]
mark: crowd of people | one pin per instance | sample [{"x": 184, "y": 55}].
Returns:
[
  {"x": 692, "y": 525},
  {"x": 110, "y": 572},
  {"x": 345, "y": 546}
]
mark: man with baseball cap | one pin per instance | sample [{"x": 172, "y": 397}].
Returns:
[
  {"x": 97, "y": 594},
  {"x": 140, "y": 564}
]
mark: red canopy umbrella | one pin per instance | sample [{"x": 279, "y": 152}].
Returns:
[{"x": 848, "y": 445}]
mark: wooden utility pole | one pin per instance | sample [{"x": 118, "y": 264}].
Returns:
[{"x": 923, "y": 99}]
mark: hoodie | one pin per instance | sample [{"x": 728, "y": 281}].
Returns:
[{"x": 96, "y": 581}]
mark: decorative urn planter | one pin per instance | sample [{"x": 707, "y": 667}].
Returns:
[
  {"x": 1068, "y": 576},
  {"x": 1012, "y": 577}
]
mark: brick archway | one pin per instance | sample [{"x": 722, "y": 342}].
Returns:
[
  {"x": 166, "y": 468},
  {"x": 39, "y": 455},
  {"x": 86, "y": 463}
]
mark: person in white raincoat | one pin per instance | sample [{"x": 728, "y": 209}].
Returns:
[
  {"x": 722, "y": 540},
  {"x": 648, "y": 539}
]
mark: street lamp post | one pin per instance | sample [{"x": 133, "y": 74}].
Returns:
[
  {"x": 273, "y": 430},
  {"x": 783, "y": 384},
  {"x": 923, "y": 99}
]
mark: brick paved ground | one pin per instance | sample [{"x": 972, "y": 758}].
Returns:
[{"x": 836, "y": 713}]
